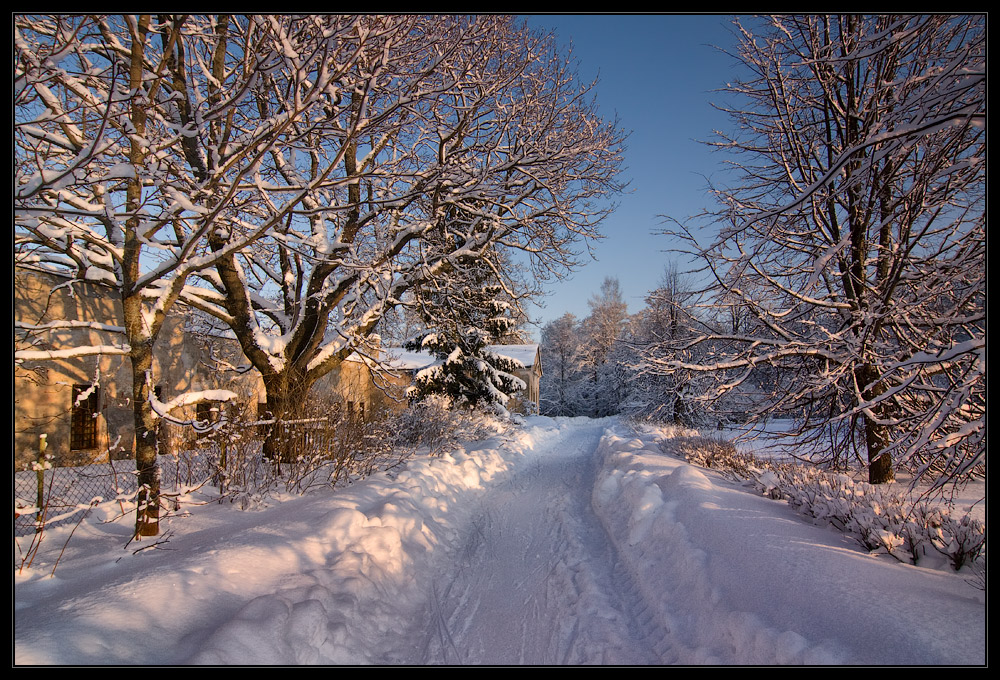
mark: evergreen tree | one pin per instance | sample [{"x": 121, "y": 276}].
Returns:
[{"x": 466, "y": 312}]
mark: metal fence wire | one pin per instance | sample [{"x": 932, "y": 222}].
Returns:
[
  {"x": 228, "y": 461},
  {"x": 68, "y": 491}
]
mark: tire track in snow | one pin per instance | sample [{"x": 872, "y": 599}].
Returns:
[{"x": 536, "y": 580}]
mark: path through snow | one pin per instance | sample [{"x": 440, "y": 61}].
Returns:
[{"x": 536, "y": 580}]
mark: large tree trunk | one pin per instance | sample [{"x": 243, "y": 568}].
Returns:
[
  {"x": 879, "y": 460},
  {"x": 141, "y": 334},
  {"x": 287, "y": 396},
  {"x": 147, "y": 515},
  {"x": 680, "y": 415},
  {"x": 877, "y": 435}
]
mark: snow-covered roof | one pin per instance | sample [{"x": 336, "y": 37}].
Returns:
[
  {"x": 524, "y": 354},
  {"x": 406, "y": 360}
]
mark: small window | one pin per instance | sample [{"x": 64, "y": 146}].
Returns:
[
  {"x": 207, "y": 411},
  {"x": 84, "y": 412}
]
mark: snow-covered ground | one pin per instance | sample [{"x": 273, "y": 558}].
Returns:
[{"x": 569, "y": 541}]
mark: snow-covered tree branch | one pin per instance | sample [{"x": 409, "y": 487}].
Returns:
[
  {"x": 449, "y": 138},
  {"x": 852, "y": 245},
  {"x": 281, "y": 172},
  {"x": 145, "y": 149}
]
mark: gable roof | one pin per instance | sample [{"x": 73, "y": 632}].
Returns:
[{"x": 523, "y": 354}]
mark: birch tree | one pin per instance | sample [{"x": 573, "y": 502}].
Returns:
[
  {"x": 853, "y": 242},
  {"x": 564, "y": 370},
  {"x": 144, "y": 152}
]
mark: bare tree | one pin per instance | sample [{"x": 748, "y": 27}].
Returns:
[
  {"x": 145, "y": 153},
  {"x": 564, "y": 369},
  {"x": 852, "y": 246},
  {"x": 450, "y": 138},
  {"x": 601, "y": 332},
  {"x": 661, "y": 330}
]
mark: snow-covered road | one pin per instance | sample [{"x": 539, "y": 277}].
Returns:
[
  {"x": 536, "y": 580},
  {"x": 564, "y": 542}
]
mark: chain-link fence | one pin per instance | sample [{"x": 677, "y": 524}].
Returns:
[
  {"x": 59, "y": 495},
  {"x": 227, "y": 461}
]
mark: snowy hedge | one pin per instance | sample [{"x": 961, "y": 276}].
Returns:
[{"x": 879, "y": 519}]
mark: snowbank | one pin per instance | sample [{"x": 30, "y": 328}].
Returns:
[
  {"x": 313, "y": 579},
  {"x": 737, "y": 578}
]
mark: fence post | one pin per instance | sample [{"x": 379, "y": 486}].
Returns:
[{"x": 40, "y": 476}]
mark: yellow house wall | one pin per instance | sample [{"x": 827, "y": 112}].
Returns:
[
  {"x": 43, "y": 389},
  {"x": 183, "y": 362}
]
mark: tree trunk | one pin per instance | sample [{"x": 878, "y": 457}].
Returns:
[
  {"x": 679, "y": 411},
  {"x": 141, "y": 334},
  {"x": 147, "y": 516},
  {"x": 879, "y": 460},
  {"x": 286, "y": 399},
  {"x": 877, "y": 435}
]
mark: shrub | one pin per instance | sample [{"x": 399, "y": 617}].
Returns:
[
  {"x": 435, "y": 424},
  {"x": 878, "y": 519}
]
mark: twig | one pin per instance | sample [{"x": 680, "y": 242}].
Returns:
[{"x": 83, "y": 516}]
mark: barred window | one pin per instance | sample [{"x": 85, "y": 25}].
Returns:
[{"x": 84, "y": 412}]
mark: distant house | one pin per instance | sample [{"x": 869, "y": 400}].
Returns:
[
  {"x": 406, "y": 364},
  {"x": 82, "y": 404}
]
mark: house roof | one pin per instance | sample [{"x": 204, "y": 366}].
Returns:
[
  {"x": 524, "y": 354},
  {"x": 406, "y": 360}
]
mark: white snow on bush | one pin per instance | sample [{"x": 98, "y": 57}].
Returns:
[{"x": 740, "y": 579}]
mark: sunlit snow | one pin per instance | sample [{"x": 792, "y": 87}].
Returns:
[{"x": 566, "y": 541}]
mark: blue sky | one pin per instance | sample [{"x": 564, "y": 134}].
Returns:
[{"x": 657, "y": 73}]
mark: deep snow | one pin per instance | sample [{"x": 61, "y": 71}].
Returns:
[{"x": 569, "y": 541}]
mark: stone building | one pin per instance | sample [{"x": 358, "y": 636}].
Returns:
[{"x": 81, "y": 404}]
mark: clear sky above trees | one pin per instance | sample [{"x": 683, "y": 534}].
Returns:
[{"x": 657, "y": 73}]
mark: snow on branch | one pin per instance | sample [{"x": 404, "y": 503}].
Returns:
[
  {"x": 71, "y": 353},
  {"x": 847, "y": 268}
]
